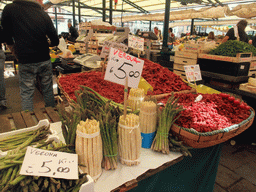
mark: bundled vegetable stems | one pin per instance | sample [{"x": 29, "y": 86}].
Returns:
[
  {"x": 177, "y": 146},
  {"x": 136, "y": 96},
  {"x": 167, "y": 117},
  {"x": 148, "y": 117},
  {"x": 108, "y": 130},
  {"x": 22, "y": 140},
  {"x": 69, "y": 120},
  {"x": 89, "y": 147},
  {"x": 12, "y": 181},
  {"x": 129, "y": 140}
]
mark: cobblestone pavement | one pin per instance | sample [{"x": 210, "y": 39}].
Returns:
[{"x": 237, "y": 169}]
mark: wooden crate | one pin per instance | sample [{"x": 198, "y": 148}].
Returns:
[
  {"x": 240, "y": 57},
  {"x": 179, "y": 67},
  {"x": 185, "y": 61},
  {"x": 253, "y": 65},
  {"x": 247, "y": 87},
  {"x": 192, "y": 47},
  {"x": 252, "y": 73},
  {"x": 182, "y": 74},
  {"x": 186, "y": 54}
]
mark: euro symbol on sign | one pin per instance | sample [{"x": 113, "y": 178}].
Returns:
[{"x": 111, "y": 70}]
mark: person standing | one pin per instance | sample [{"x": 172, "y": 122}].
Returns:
[
  {"x": 237, "y": 32},
  {"x": 157, "y": 33},
  {"x": 3, "y": 103},
  {"x": 73, "y": 34},
  {"x": 28, "y": 32},
  {"x": 171, "y": 36}
]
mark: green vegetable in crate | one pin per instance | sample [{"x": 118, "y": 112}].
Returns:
[
  {"x": 232, "y": 47},
  {"x": 12, "y": 181}
]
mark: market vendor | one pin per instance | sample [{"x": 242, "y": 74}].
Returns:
[
  {"x": 237, "y": 32},
  {"x": 157, "y": 33},
  {"x": 73, "y": 34}
]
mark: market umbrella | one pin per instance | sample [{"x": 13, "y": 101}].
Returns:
[{"x": 244, "y": 10}]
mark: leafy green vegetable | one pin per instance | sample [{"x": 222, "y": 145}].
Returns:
[{"x": 232, "y": 47}]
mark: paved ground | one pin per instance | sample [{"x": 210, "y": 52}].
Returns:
[{"x": 237, "y": 169}]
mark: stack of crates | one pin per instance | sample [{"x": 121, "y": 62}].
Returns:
[
  {"x": 188, "y": 56},
  {"x": 252, "y": 69}
]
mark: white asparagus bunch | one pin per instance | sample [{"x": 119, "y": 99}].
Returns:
[
  {"x": 148, "y": 117},
  {"x": 89, "y": 147},
  {"x": 136, "y": 96},
  {"x": 129, "y": 140}
]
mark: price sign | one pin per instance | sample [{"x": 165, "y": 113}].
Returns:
[
  {"x": 136, "y": 42},
  {"x": 121, "y": 65},
  {"x": 47, "y": 163},
  {"x": 107, "y": 45},
  {"x": 193, "y": 73}
]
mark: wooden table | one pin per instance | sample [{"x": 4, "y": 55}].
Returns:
[{"x": 25, "y": 119}]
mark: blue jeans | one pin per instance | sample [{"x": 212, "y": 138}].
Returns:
[
  {"x": 2, "y": 83},
  {"x": 28, "y": 74}
]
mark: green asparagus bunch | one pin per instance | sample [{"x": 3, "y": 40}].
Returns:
[
  {"x": 167, "y": 117},
  {"x": 11, "y": 181},
  {"x": 176, "y": 145}
]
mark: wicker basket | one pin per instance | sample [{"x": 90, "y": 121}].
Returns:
[
  {"x": 158, "y": 97},
  {"x": 194, "y": 139}
]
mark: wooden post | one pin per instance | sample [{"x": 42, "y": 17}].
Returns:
[{"x": 125, "y": 96}]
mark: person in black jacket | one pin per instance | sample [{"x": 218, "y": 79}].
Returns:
[
  {"x": 73, "y": 34},
  {"x": 237, "y": 32},
  {"x": 28, "y": 32},
  {"x": 3, "y": 103}
]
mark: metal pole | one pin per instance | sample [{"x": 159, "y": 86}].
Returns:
[
  {"x": 56, "y": 19},
  {"x": 150, "y": 25},
  {"x": 122, "y": 24},
  {"x": 192, "y": 27},
  {"x": 74, "y": 13},
  {"x": 166, "y": 23},
  {"x": 110, "y": 11},
  {"x": 79, "y": 12},
  {"x": 104, "y": 10}
]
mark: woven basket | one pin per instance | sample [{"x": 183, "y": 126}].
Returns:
[
  {"x": 195, "y": 139},
  {"x": 158, "y": 97}
]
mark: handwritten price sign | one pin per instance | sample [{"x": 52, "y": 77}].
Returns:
[
  {"x": 107, "y": 45},
  {"x": 136, "y": 42},
  {"x": 193, "y": 73},
  {"x": 121, "y": 65},
  {"x": 47, "y": 163}
]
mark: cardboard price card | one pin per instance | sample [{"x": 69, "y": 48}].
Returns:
[
  {"x": 136, "y": 42},
  {"x": 193, "y": 73},
  {"x": 39, "y": 162},
  {"x": 122, "y": 65},
  {"x": 107, "y": 45}
]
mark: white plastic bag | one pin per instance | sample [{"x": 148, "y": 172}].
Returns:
[{"x": 63, "y": 47}]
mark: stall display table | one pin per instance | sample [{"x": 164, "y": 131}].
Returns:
[{"x": 156, "y": 172}]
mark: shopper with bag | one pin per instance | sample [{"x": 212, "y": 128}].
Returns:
[
  {"x": 237, "y": 32},
  {"x": 28, "y": 32}
]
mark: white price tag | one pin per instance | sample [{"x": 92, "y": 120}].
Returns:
[
  {"x": 107, "y": 45},
  {"x": 193, "y": 73},
  {"x": 121, "y": 65},
  {"x": 39, "y": 162},
  {"x": 136, "y": 42}
]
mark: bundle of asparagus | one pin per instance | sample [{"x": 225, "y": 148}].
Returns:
[
  {"x": 108, "y": 130},
  {"x": 12, "y": 181},
  {"x": 136, "y": 96},
  {"x": 148, "y": 120},
  {"x": 167, "y": 117},
  {"x": 129, "y": 140},
  {"x": 89, "y": 147}
]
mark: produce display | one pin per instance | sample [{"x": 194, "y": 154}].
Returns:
[
  {"x": 136, "y": 96},
  {"x": 10, "y": 165},
  {"x": 89, "y": 147},
  {"x": 162, "y": 80},
  {"x": 168, "y": 116},
  {"x": 129, "y": 139},
  {"x": 213, "y": 112},
  {"x": 232, "y": 47}
]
